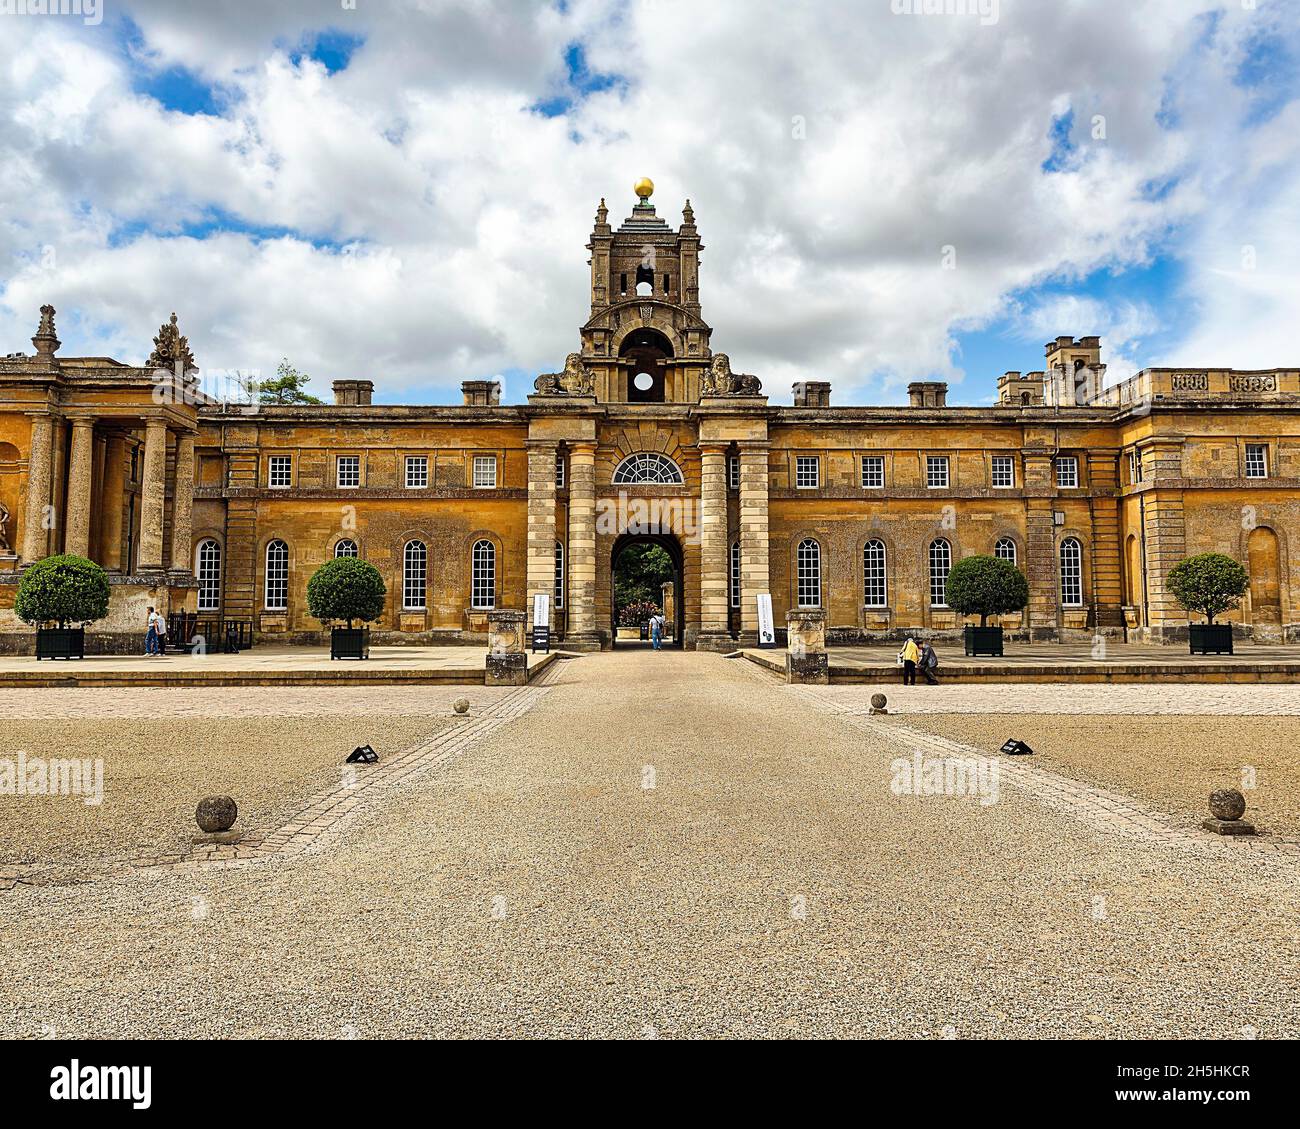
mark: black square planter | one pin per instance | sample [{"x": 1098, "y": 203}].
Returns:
[
  {"x": 60, "y": 643},
  {"x": 1210, "y": 638},
  {"x": 350, "y": 643},
  {"x": 983, "y": 640}
]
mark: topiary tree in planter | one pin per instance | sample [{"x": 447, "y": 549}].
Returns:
[
  {"x": 347, "y": 589},
  {"x": 984, "y": 586},
  {"x": 1209, "y": 583},
  {"x": 66, "y": 590}
]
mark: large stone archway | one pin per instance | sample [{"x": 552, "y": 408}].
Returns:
[{"x": 673, "y": 547}]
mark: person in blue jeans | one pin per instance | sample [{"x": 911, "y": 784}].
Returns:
[
  {"x": 657, "y": 631},
  {"x": 151, "y": 636}
]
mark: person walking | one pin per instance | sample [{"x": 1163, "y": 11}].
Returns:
[
  {"x": 929, "y": 663},
  {"x": 151, "y": 633},
  {"x": 657, "y": 631},
  {"x": 909, "y": 654}
]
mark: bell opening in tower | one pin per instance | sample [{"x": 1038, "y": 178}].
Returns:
[{"x": 646, "y": 354}]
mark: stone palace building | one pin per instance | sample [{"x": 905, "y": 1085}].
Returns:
[{"x": 227, "y": 508}]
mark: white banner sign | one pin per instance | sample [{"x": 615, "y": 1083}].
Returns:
[
  {"x": 541, "y": 610},
  {"x": 766, "y": 633}
]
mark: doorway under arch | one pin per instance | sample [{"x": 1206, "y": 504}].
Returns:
[
  {"x": 648, "y": 578},
  {"x": 1265, "y": 567}
]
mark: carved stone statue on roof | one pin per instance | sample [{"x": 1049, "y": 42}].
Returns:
[
  {"x": 169, "y": 348},
  {"x": 576, "y": 379}
]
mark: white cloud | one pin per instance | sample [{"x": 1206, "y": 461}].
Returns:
[{"x": 467, "y": 213}]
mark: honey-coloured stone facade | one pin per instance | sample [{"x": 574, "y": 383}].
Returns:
[{"x": 645, "y": 431}]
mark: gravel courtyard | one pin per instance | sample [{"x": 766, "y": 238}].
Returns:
[{"x": 675, "y": 845}]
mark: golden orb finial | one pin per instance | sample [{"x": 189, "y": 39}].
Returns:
[{"x": 644, "y": 188}]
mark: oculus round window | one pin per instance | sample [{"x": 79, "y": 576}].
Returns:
[{"x": 644, "y": 381}]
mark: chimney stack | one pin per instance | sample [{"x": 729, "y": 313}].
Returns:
[
  {"x": 481, "y": 393},
  {"x": 812, "y": 394},
  {"x": 353, "y": 393},
  {"x": 928, "y": 394}
]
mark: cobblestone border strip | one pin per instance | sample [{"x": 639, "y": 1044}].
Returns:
[
  {"x": 1107, "y": 811},
  {"x": 325, "y": 814}
]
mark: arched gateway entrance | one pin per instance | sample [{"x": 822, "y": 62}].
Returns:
[{"x": 634, "y": 574}]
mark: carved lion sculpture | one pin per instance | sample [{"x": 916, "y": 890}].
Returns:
[
  {"x": 719, "y": 380},
  {"x": 576, "y": 379}
]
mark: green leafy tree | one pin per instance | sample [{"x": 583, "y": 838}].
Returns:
[
  {"x": 348, "y": 589},
  {"x": 1209, "y": 583},
  {"x": 985, "y": 586},
  {"x": 65, "y": 588},
  {"x": 288, "y": 387},
  {"x": 640, "y": 573}
]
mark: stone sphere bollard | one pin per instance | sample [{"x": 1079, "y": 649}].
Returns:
[
  {"x": 216, "y": 814},
  {"x": 1227, "y": 803},
  {"x": 460, "y": 705},
  {"x": 878, "y": 703}
]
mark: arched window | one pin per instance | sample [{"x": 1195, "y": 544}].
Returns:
[
  {"x": 874, "y": 587},
  {"x": 648, "y": 467},
  {"x": 415, "y": 571},
  {"x": 1071, "y": 573},
  {"x": 483, "y": 575},
  {"x": 559, "y": 575},
  {"x": 346, "y": 548},
  {"x": 940, "y": 566},
  {"x": 1005, "y": 550},
  {"x": 277, "y": 577},
  {"x": 208, "y": 571},
  {"x": 734, "y": 585},
  {"x": 808, "y": 562}
]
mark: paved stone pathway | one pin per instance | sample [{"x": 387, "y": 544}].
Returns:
[{"x": 672, "y": 845}]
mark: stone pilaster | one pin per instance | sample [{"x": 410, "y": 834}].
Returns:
[
  {"x": 582, "y": 543},
  {"x": 753, "y": 535},
  {"x": 36, "y": 535},
  {"x": 153, "y": 495},
  {"x": 1107, "y": 579},
  {"x": 541, "y": 523},
  {"x": 714, "y": 550},
  {"x": 111, "y": 501},
  {"x": 81, "y": 467},
  {"x": 183, "y": 504}
]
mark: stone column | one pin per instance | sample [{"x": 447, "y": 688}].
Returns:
[
  {"x": 582, "y": 543},
  {"x": 714, "y": 550},
  {"x": 183, "y": 504},
  {"x": 111, "y": 499},
  {"x": 153, "y": 495},
  {"x": 36, "y": 535},
  {"x": 541, "y": 524},
  {"x": 753, "y": 536},
  {"x": 76, "y": 539}
]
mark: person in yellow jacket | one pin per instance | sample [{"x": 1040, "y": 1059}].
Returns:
[{"x": 909, "y": 654}]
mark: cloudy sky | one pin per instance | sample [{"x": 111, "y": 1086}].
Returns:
[{"x": 402, "y": 189}]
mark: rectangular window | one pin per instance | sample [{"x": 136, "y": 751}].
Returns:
[
  {"x": 873, "y": 472},
  {"x": 559, "y": 575},
  {"x": 735, "y": 574},
  {"x": 348, "y": 471},
  {"x": 733, "y": 472},
  {"x": 936, "y": 471},
  {"x": 1067, "y": 472},
  {"x": 559, "y": 471},
  {"x": 485, "y": 472},
  {"x": 807, "y": 472},
  {"x": 1134, "y": 467},
  {"x": 1256, "y": 460},
  {"x": 1004, "y": 471},
  {"x": 417, "y": 472},
  {"x": 280, "y": 472}
]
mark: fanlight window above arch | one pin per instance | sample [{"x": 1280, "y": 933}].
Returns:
[{"x": 648, "y": 468}]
